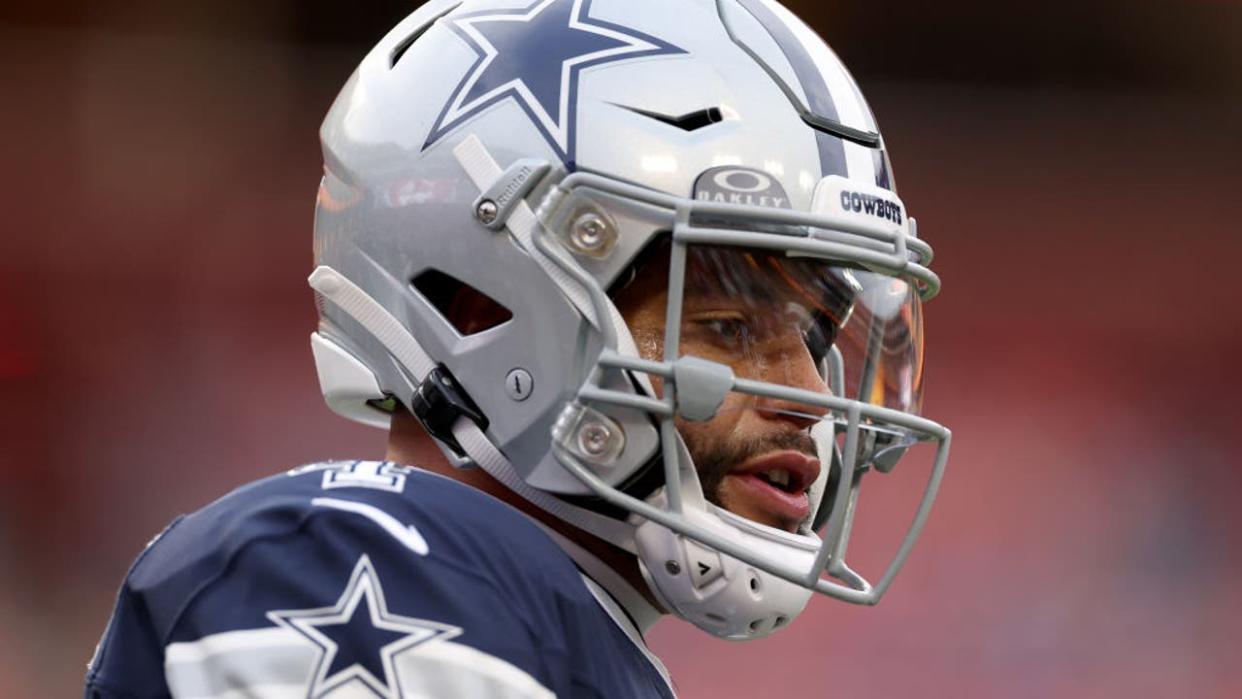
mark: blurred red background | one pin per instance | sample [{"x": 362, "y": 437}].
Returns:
[{"x": 1074, "y": 164}]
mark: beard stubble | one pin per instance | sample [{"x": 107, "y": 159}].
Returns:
[{"x": 715, "y": 459}]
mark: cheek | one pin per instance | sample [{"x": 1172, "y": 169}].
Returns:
[
  {"x": 734, "y": 405},
  {"x": 650, "y": 345}
]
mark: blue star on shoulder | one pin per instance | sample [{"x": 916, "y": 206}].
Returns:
[
  {"x": 533, "y": 56},
  {"x": 358, "y": 636}
]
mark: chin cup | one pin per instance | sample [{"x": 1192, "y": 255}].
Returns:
[{"x": 718, "y": 593}]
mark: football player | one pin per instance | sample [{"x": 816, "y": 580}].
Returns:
[{"x": 628, "y": 284}]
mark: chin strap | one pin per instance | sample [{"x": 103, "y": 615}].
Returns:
[
  {"x": 485, "y": 454},
  {"x": 354, "y": 302}
]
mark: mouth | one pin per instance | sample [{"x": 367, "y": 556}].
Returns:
[{"x": 772, "y": 489}]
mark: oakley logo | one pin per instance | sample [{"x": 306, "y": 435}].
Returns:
[
  {"x": 872, "y": 205},
  {"x": 744, "y": 181},
  {"x": 740, "y": 185}
]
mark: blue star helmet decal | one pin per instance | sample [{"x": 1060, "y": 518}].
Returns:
[
  {"x": 534, "y": 56},
  {"x": 358, "y": 637}
]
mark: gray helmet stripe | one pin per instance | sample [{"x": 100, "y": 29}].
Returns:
[
  {"x": 831, "y": 148},
  {"x": 845, "y": 96}
]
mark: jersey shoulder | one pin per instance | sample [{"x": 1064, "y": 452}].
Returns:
[
  {"x": 420, "y": 523},
  {"x": 333, "y": 571}
]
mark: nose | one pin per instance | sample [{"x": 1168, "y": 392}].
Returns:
[{"x": 791, "y": 364}]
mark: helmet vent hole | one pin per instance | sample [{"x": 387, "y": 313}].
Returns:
[
  {"x": 691, "y": 121},
  {"x": 756, "y": 587},
  {"x": 756, "y": 625},
  {"x": 467, "y": 309},
  {"x": 399, "y": 50},
  {"x": 716, "y": 618},
  {"x": 780, "y": 621}
]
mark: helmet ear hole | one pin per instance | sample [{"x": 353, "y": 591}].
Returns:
[{"x": 462, "y": 306}]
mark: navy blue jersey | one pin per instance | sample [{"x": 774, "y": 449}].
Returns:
[{"x": 362, "y": 579}]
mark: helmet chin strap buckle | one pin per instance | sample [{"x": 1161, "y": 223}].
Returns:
[{"x": 439, "y": 401}]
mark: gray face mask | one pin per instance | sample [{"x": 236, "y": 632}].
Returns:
[{"x": 775, "y": 349}]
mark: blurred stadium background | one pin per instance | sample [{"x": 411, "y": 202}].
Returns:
[{"x": 1075, "y": 164}]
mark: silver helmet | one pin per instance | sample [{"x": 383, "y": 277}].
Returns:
[{"x": 554, "y": 156}]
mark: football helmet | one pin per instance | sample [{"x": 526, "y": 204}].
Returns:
[{"x": 552, "y": 156}]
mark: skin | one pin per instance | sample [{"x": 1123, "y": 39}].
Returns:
[
  {"x": 746, "y": 427},
  {"x": 722, "y": 328}
]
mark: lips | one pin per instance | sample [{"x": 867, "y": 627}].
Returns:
[{"x": 772, "y": 488}]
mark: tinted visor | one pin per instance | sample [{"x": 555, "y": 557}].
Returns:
[{"x": 801, "y": 322}]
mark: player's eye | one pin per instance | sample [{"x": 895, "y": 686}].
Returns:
[{"x": 727, "y": 331}]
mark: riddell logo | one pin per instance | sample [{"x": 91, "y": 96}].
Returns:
[{"x": 871, "y": 204}]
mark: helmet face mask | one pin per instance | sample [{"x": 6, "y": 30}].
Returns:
[
  {"x": 670, "y": 297},
  {"x": 766, "y": 330}
]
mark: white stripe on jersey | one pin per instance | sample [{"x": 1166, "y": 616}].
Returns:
[
  {"x": 279, "y": 663},
  {"x": 450, "y": 669}
]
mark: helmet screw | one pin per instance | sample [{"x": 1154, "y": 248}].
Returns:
[
  {"x": 486, "y": 212},
  {"x": 590, "y": 232},
  {"x": 673, "y": 567},
  {"x": 593, "y": 438},
  {"x": 518, "y": 384}
]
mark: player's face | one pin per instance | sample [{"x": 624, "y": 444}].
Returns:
[{"x": 752, "y": 312}]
